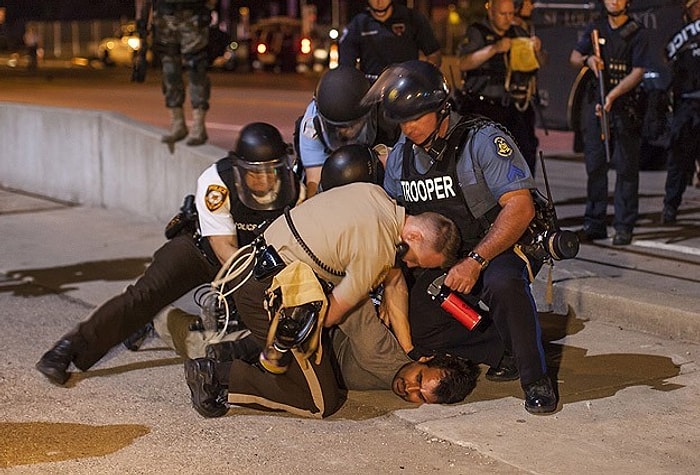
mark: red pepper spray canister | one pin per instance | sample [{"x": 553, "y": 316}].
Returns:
[{"x": 452, "y": 304}]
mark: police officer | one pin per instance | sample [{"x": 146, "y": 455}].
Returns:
[
  {"x": 469, "y": 170},
  {"x": 491, "y": 85},
  {"x": 625, "y": 55},
  {"x": 334, "y": 118},
  {"x": 386, "y": 33},
  {"x": 181, "y": 37},
  {"x": 235, "y": 195},
  {"x": 683, "y": 51}
]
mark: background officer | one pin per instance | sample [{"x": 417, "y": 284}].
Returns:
[
  {"x": 227, "y": 215},
  {"x": 181, "y": 37},
  {"x": 472, "y": 172},
  {"x": 384, "y": 34},
  {"x": 625, "y": 55},
  {"x": 334, "y": 118},
  {"x": 683, "y": 52},
  {"x": 491, "y": 84}
]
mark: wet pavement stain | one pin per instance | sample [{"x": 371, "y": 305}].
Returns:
[
  {"x": 580, "y": 377},
  {"x": 58, "y": 280},
  {"x": 25, "y": 443}
]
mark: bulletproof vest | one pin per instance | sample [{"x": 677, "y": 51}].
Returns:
[
  {"x": 247, "y": 220},
  {"x": 494, "y": 71},
  {"x": 439, "y": 190},
  {"x": 684, "y": 52},
  {"x": 616, "y": 51}
]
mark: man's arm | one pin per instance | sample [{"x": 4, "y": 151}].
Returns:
[
  {"x": 435, "y": 58},
  {"x": 474, "y": 60},
  {"x": 313, "y": 177},
  {"x": 337, "y": 309},
  {"x": 517, "y": 211},
  {"x": 394, "y": 308},
  {"x": 223, "y": 246},
  {"x": 628, "y": 83}
]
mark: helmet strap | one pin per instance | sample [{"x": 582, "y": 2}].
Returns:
[{"x": 434, "y": 145}]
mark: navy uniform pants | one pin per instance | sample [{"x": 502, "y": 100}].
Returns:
[
  {"x": 685, "y": 150},
  {"x": 505, "y": 289}
]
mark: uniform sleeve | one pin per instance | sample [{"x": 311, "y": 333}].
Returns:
[
  {"x": 214, "y": 205},
  {"x": 641, "y": 57},
  {"x": 349, "y": 43},
  {"x": 584, "y": 44},
  {"x": 472, "y": 41},
  {"x": 500, "y": 160},
  {"x": 427, "y": 42},
  {"x": 311, "y": 149},
  {"x": 392, "y": 172}
]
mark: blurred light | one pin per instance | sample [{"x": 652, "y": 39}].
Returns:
[
  {"x": 305, "y": 46},
  {"x": 333, "y": 61},
  {"x": 134, "y": 43},
  {"x": 262, "y": 48},
  {"x": 333, "y": 34}
]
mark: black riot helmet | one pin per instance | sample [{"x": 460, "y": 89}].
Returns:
[
  {"x": 351, "y": 164},
  {"x": 410, "y": 90},
  {"x": 263, "y": 168},
  {"x": 342, "y": 118}
]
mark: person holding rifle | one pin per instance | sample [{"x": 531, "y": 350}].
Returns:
[{"x": 619, "y": 67}]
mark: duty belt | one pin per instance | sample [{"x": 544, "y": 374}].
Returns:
[{"x": 691, "y": 95}]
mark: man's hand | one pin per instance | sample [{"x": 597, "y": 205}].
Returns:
[{"x": 463, "y": 275}]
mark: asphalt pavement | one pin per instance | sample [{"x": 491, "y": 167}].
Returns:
[{"x": 621, "y": 330}]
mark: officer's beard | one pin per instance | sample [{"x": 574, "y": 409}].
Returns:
[{"x": 618, "y": 13}]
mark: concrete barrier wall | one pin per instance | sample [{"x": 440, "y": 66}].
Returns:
[{"x": 97, "y": 158}]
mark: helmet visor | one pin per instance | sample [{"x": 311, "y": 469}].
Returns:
[
  {"x": 361, "y": 131},
  {"x": 265, "y": 186}
]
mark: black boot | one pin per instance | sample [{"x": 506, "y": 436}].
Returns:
[
  {"x": 136, "y": 339},
  {"x": 540, "y": 397},
  {"x": 505, "y": 371},
  {"x": 208, "y": 396},
  {"x": 246, "y": 349},
  {"x": 55, "y": 362}
]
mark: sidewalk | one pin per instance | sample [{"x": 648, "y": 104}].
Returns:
[{"x": 629, "y": 399}]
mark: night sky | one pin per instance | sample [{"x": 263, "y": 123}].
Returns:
[{"x": 67, "y": 9}]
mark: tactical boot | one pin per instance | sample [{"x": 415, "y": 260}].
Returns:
[
  {"x": 198, "y": 134},
  {"x": 136, "y": 339},
  {"x": 505, "y": 371},
  {"x": 178, "y": 129},
  {"x": 55, "y": 362},
  {"x": 245, "y": 349},
  {"x": 540, "y": 397},
  {"x": 208, "y": 396}
]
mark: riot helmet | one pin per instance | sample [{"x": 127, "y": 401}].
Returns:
[
  {"x": 410, "y": 90},
  {"x": 351, "y": 164},
  {"x": 263, "y": 168},
  {"x": 342, "y": 119}
]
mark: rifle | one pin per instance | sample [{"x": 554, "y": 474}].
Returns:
[
  {"x": 140, "y": 64},
  {"x": 604, "y": 119}
]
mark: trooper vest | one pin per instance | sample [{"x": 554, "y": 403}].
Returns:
[
  {"x": 439, "y": 190},
  {"x": 684, "y": 52},
  {"x": 247, "y": 220}
]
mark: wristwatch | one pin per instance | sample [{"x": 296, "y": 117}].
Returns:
[{"x": 484, "y": 263}]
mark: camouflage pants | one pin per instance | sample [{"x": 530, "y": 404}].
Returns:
[{"x": 181, "y": 41}]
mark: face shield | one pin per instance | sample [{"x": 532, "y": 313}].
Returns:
[
  {"x": 361, "y": 131},
  {"x": 265, "y": 186}
]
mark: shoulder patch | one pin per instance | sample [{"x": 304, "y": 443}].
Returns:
[
  {"x": 308, "y": 129},
  {"x": 502, "y": 147},
  {"x": 216, "y": 197}
]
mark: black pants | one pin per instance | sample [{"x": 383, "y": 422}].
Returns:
[
  {"x": 177, "y": 267},
  {"x": 685, "y": 150},
  {"x": 306, "y": 389},
  {"x": 505, "y": 289}
]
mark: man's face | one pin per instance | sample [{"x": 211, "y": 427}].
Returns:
[
  {"x": 694, "y": 11},
  {"x": 416, "y": 382},
  {"x": 420, "y": 129},
  {"x": 615, "y": 7},
  {"x": 260, "y": 182},
  {"x": 423, "y": 258},
  {"x": 501, "y": 14},
  {"x": 379, "y": 5}
]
